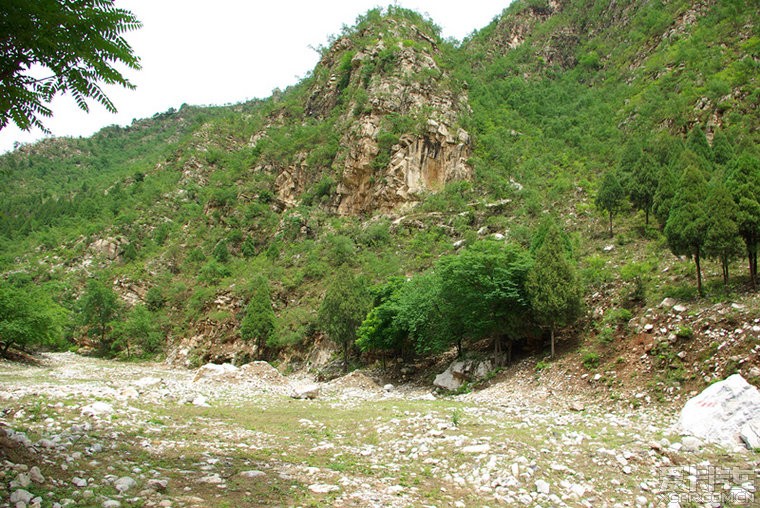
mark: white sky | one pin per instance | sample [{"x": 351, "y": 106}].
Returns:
[{"x": 203, "y": 52}]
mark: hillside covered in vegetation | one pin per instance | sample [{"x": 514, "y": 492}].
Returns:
[{"x": 550, "y": 179}]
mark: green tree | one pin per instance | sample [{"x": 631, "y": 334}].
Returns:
[
  {"x": 697, "y": 143},
  {"x": 74, "y": 44},
  {"x": 258, "y": 325},
  {"x": 482, "y": 292},
  {"x": 722, "y": 241},
  {"x": 744, "y": 182},
  {"x": 343, "y": 309},
  {"x": 98, "y": 307},
  {"x": 28, "y": 317},
  {"x": 663, "y": 196},
  {"x": 552, "y": 287},
  {"x": 141, "y": 328},
  {"x": 686, "y": 228},
  {"x": 611, "y": 196},
  {"x": 722, "y": 150},
  {"x": 642, "y": 185}
]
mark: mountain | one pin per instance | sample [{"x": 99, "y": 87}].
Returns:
[{"x": 400, "y": 149}]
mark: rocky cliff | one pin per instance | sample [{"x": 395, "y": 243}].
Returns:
[{"x": 398, "y": 112}]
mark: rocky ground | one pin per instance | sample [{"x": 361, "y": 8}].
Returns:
[{"x": 78, "y": 431}]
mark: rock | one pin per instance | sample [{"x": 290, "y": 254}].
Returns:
[
  {"x": 680, "y": 309},
  {"x": 388, "y": 388},
  {"x": 212, "y": 371},
  {"x": 213, "y": 479},
  {"x": 542, "y": 487},
  {"x": 750, "y": 434},
  {"x": 124, "y": 483},
  {"x": 111, "y": 503},
  {"x": 577, "y": 406},
  {"x": 461, "y": 371},
  {"x": 36, "y": 475},
  {"x": 79, "y": 482},
  {"x": 310, "y": 391},
  {"x": 200, "y": 401},
  {"x": 447, "y": 381},
  {"x": 97, "y": 409},
  {"x": 690, "y": 444},
  {"x": 719, "y": 413},
  {"x": 158, "y": 485},
  {"x": 23, "y": 480},
  {"x": 21, "y": 496},
  {"x": 609, "y": 248},
  {"x": 146, "y": 382},
  {"x": 667, "y": 303},
  {"x": 753, "y": 372},
  {"x": 323, "y": 488},
  {"x": 648, "y": 327},
  {"x": 481, "y": 448},
  {"x": 252, "y": 474}
]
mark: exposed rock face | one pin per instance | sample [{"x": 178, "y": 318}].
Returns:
[{"x": 399, "y": 123}]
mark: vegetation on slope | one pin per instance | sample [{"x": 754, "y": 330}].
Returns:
[{"x": 179, "y": 214}]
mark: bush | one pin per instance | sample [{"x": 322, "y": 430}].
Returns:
[
  {"x": 685, "y": 332},
  {"x": 154, "y": 299},
  {"x": 590, "y": 360}
]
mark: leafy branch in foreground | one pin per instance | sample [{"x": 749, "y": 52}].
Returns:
[{"x": 49, "y": 47}]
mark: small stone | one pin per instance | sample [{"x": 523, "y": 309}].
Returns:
[
  {"x": 111, "y": 503},
  {"x": 124, "y": 483},
  {"x": 542, "y": 487},
  {"x": 648, "y": 327},
  {"x": 158, "y": 485},
  {"x": 680, "y": 309},
  {"x": 97, "y": 409},
  {"x": 577, "y": 406},
  {"x": 388, "y": 387},
  {"x": 323, "y": 488},
  {"x": 690, "y": 443},
  {"x": 79, "y": 482},
  {"x": 200, "y": 401},
  {"x": 252, "y": 474},
  {"x": 36, "y": 475},
  {"x": 481, "y": 448},
  {"x": 21, "y": 496},
  {"x": 667, "y": 303}
]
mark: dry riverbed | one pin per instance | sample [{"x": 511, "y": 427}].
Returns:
[{"x": 84, "y": 432}]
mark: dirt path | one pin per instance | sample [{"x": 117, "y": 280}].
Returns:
[{"x": 86, "y": 432}]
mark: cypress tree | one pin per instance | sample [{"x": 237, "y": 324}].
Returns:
[
  {"x": 552, "y": 286},
  {"x": 686, "y": 228}
]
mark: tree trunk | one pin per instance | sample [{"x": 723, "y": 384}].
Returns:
[
  {"x": 699, "y": 273},
  {"x": 611, "y": 235},
  {"x": 459, "y": 348},
  {"x": 345, "y": 357},
  {"x": 552, "y": 341},
  {"x": 724, "y": 263},
  {"x": 6, "y": 347}
]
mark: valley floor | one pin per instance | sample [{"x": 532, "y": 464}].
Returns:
[{"x": 83, "y": 432}]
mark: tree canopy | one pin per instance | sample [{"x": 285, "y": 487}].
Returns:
[
  {"x": 28, "y": 317},
  {"x": 49, "y": 47}
]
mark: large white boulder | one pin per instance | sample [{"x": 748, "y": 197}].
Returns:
[{"x": 718, "y": 414}]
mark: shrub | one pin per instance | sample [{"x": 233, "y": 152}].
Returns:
[
  {"x": 685, "y": 332},
  {"x": 590, "y": 360}
]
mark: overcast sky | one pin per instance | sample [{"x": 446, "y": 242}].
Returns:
[{"x": 217, "y": 52}]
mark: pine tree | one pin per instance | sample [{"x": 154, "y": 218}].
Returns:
[
  {"x": 686, "y": 228},
  {"x": 552, "y": 287},
  {"x": 611, "y": 196},
  {"x": 722, "y": 241},
  {"x": 744, "y": 182},
  {"x": 343, "y": 309},
  {"x": 697, "y": 143},
  {"x": 642, "y": 185}
]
